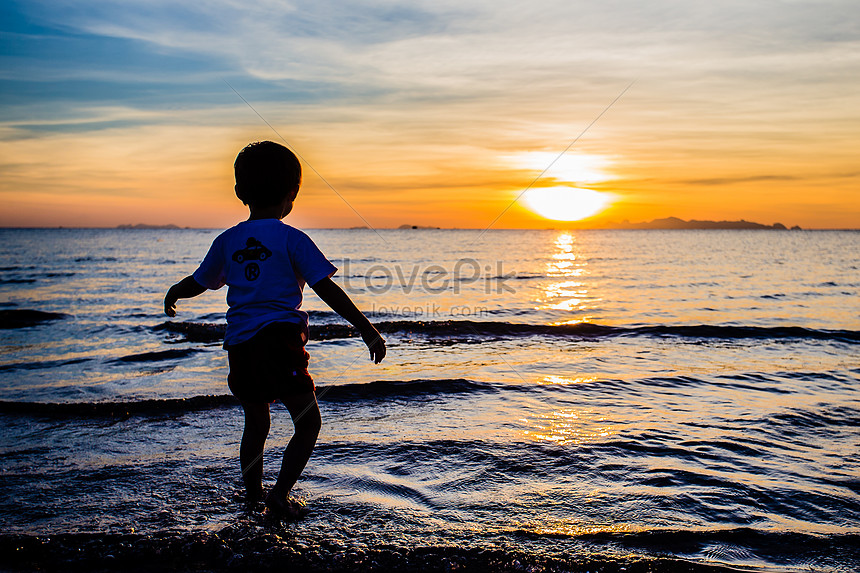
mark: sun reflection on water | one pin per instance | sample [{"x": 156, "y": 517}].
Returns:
[
  {"x": 566, "y": 263},
  {"x": 565, "y": 380},
  {"x": 580, "y": 320},
  {"x": 567, "y": 426},
  {"x": 567, "y": 289},
  {"x": 578, "y": 529}
]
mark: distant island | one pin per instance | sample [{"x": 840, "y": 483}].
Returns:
[
  {"x": 676, "y": 223},
  {"x": 668, "y": 223},
  {"x": 143, "y": 226}
]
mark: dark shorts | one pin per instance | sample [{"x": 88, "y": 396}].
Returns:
[{"x": 271, "y": 365}]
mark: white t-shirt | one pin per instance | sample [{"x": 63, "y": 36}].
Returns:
[{"x": 265, "y": 263}]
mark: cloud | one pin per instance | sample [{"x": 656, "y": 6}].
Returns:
[
  {"x": 744, "y": 179},
  {"x": 477, "y": 50},
  {"x": 540, "y": 68},
  {"x": 385, "y": 95}
]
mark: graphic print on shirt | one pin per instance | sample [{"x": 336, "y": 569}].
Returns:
[{"x": 254, "y": 251}]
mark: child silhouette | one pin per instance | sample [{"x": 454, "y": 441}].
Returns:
[{"x": 265, "y": 264}]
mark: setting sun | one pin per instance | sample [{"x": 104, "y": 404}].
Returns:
[{"x": 565, "y": 203}]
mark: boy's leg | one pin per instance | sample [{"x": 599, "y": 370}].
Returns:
[
  {"x": 251, "y": 450},
  {"x": 306, "y": 419}
]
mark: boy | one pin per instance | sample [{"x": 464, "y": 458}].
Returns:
[{"x": 265, "y": 264}]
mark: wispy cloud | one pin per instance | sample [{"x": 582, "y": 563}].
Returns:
[
  {"x": 744, "y": 179},
  {"x": 449, "y": 50}
]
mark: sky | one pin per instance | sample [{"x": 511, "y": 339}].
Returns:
[{"x": 434, "y": 113}]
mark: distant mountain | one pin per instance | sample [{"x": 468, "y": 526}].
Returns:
[
  {"x": 676, "y": 223},
  {"x": 144, "y": 226}
]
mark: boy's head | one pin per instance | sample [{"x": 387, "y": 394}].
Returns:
[{"x": 266, "y": 172}]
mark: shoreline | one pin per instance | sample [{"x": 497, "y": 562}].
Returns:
[{"x": 252, "y": 547}]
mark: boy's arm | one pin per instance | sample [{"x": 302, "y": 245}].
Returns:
[
  {"x": 339, "y": 301},
  {"x": 186, "y": 288}
]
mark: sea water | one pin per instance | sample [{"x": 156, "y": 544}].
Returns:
[{"x": 685, "y": 393}]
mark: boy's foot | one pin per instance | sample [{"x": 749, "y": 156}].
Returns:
[
  {"x": 250, "y": 497},
  {"x": 251, "y": 503},
  {"x": 255, "y": 506},
  {"x": 289, "y": 508}
]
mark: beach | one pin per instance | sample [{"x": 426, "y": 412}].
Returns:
[{"x": 552, "y": 401}]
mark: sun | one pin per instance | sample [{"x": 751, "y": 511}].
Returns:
[{"x": 565, "y": 203}]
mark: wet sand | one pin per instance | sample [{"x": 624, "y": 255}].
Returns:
[{"x": 248, "y": 547}]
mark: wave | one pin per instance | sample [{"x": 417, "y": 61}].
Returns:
[
  {"x": 121, "y": 409},
  {"x": 195, "y": 331},
  {"x": 158, "y": 355},
  {"x": 210, "y": 332},
  {"x": 25, "y": 278},
  {"x": 404, "y": 389},
  {"x": 733, "y": 546},
  {"x": 401, "y": 389},
  {"x": 95, "y": 259},
  {"x": 42, "y": 364},
  {"x": 21, "y": 318},
  {"x": 370, "y": 391}
]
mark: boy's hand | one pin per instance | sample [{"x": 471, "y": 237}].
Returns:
[
  {"x": 170, "y": 305},
  {"x": 374, "y": 343},
  {"x": 186, "y": 288}
]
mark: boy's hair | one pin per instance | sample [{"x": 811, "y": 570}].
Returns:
[{"x": 265, "y": 173}]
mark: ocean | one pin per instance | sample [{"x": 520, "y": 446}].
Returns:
[{"x": 550, "y": 399}]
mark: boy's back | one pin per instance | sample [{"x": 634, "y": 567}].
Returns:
[{"x": 265, "y": 264}]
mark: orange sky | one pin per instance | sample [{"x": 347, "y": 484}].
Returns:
[{"x": 433, "y": 115}]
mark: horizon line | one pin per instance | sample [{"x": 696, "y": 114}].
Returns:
[{"x": 420, "y": 228}]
